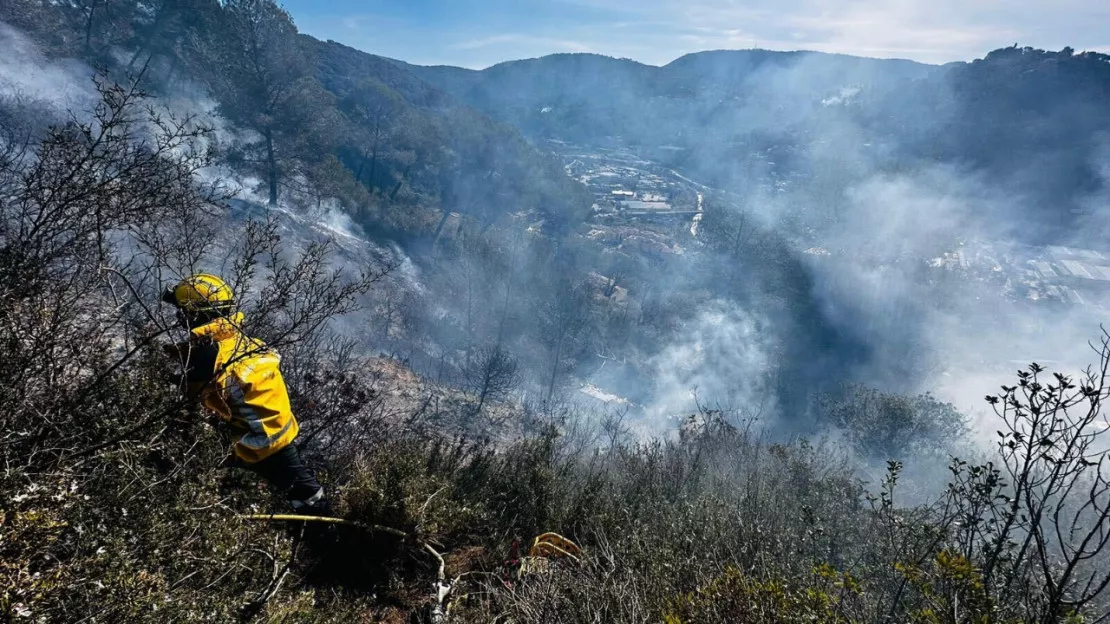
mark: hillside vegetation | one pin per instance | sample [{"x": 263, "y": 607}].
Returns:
[
  {"x": 1028, "y": 119},
  {"x": 315, "y": 120},
  {"x": 460, "y": 439},
  {"x": 115, "y": 508}
]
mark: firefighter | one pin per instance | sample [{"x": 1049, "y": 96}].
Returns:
[{"x": 238, "y": 378}]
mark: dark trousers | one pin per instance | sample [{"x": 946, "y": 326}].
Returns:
[{"x": 285, "y": 471}]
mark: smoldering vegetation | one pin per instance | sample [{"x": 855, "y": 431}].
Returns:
[
  {"x": 766, "y": 407},
  {"x": 879, "y": 170}
]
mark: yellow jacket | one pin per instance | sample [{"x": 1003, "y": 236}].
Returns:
[{"x": 239, "y": 379}]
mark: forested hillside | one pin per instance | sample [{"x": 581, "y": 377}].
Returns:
[
  {"x": 1029, "y": 119},
  {"x": 589, "y": 96},
  {"x": 315, "y": 119},
  {"x": 724, "y": 398}
]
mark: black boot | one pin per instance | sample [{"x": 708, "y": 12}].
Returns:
[
  {"x": 308, "y": 501},
  {"x": 290, "y": 476}
]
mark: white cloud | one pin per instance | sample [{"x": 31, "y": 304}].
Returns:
[
  {"x": 658, "y": 31},
  {"x": 924, "y": 30}
]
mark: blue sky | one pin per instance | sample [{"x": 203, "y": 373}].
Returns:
[{"x": 484, "y": 32}]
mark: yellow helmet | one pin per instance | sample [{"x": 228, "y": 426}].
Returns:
[{"x": 200, "y": 292}]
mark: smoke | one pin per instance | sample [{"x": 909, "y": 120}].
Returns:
[
  {"x": 52, "y": 86},
  {"x": 721, "y": 360},
  {"x": 920, "y": 278},
  {"x": 868, "y": 253},
  {"x": 927, "y": 270}
]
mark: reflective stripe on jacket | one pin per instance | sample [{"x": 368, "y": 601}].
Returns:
[{"x": 243, "y": 386}]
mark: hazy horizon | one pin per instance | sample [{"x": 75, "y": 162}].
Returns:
[{"x": 477, "y": 35}]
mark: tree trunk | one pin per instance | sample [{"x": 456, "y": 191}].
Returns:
[
  {"x": 171, "y": 73},
  {"x": 88, "y": 27},
  {"x": 505, "y": 307},
  {"x": 135, "y": 57},
  {"x": 361, "y": 166},
  {"x": 373, "y": 169},
  {"x": 155, "y": 30},
  {"x": 387, "y": 321},
  {"x": 400, "y": 183},
  {"x": 482, "y": 398},
  {"x": 439, "y": 227},
  {"x": 271, "y": 163},
  {"x": 469, "y": 312},
  {"x": 555, "y": 368}
]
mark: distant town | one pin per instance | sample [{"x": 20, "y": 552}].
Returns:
[
  {"x": 1048, "y": 275},
  {"x": 626, "y": 186},
  {"x": 631, "y": 195}
]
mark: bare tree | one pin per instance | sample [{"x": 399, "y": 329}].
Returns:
[
  {"x": 564, "y": 320},
  {"x": 612, "y": 282},
  {"x": 727, "y": 227},
  {"x": 491, "y": 375},
  {"x": 1057, "y": 506},
  {"x": 1027, "y": 537}
]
